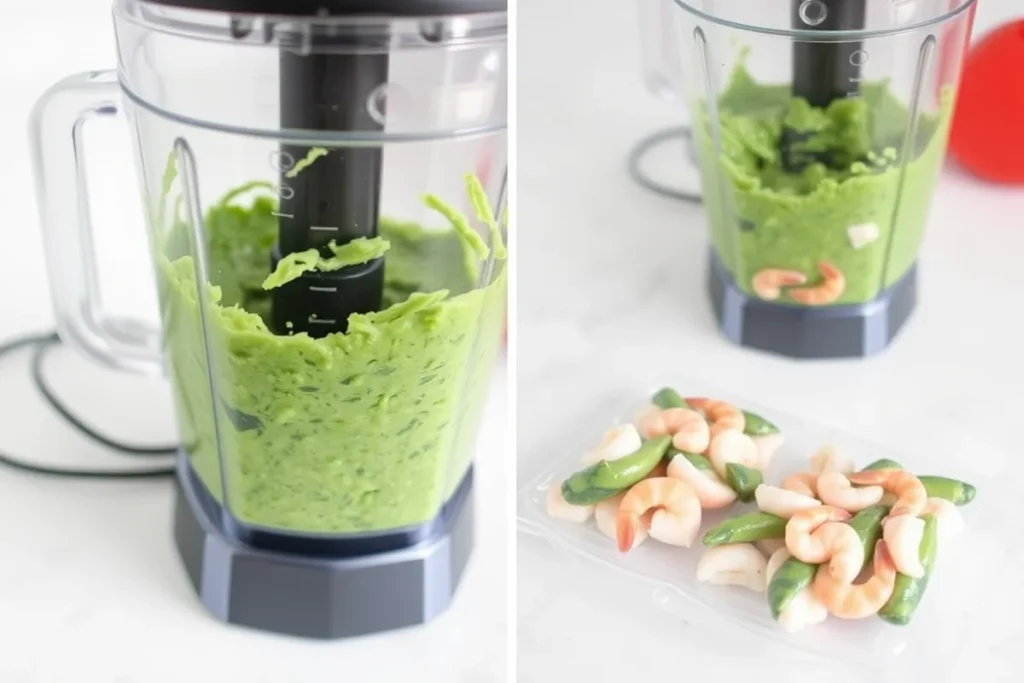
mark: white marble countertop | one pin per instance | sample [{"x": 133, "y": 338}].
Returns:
[
  {"x": 610, "y": 275},
  {"x": 91, "y": 587}
]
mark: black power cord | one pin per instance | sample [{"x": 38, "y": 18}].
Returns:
[
  {"x": 640, "y": 150},
  {"x": 41, "y": 344}
]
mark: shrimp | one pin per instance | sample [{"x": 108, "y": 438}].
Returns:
[
  {"x": 606, "y": 513},
  {"x": 830, "y": 458},
  {"x": 689, "y": 431},
  {"x": 911, "y": 496},
  {"x": 676, "y": 518},
  {"x": 766, "y": 444},
  {"x": 645, "y": 413},
  {"x": 781, "y": 502},
  {"x": 722, "y": 416},
  {"x": 732, "y": 447},
  {"x": 803, "y": 609},
  {"x": 832, "y": 286},
  {"x": 951, "y": 522},
  {"x": 845, "y": 549},
  {"x": 557, "y": 507},
  {"x": 801, "y": 540},
  {"x": 835, "y": 489},
  {"x": 902, "y": 535},
  {"x": 616, "y": 443},
  {"x": 804, "y": 483},
  {"x": 712, "y": 493},
  {"x": 735, "y": 564},
  {"x": 768, "y": 283},
  {"x": 857, "y": 601}
]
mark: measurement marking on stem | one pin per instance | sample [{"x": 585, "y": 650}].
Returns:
[
  {"x": 313, "y": 320},
  {"x": 282, "y": 215},
  {"x": 314, "y": 288},
  {"x": 327, "y": 228}
]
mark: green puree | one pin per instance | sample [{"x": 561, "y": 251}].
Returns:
[
  {"x": 777, "y": 219},
  {"x": 368, "y": 430}
]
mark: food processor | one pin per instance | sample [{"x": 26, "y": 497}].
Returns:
[
  {"x": 820, "y": 129},
  {"x": 324, "y": 184}
]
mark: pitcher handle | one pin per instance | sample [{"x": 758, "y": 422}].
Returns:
[
  {"x": 63, "y": 201},
  {"x": 660, "y": 50}
]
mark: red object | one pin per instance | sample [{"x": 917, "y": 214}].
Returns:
[{"x": 987, "y": 136}]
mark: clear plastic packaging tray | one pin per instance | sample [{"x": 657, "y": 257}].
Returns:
[{"x": 939, "y": 624}]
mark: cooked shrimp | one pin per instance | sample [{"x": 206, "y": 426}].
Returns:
[
  {"x": 616, "y": 443},
  {"x": 768, "y": 283},
  {"x": 951, "y": 522},
  {"x": 902, "y": 535},
  {"x": 676, "y": 519},
  {"x": 910, "y": 494},
  {"x": 712, "y": 493},
  {"x": 803, "y": 609},
  {"x": 769, "y": 546},
  {"x": 606, "y": 515},
  {"x": 722, "y": 416},
  {"x": 857, "y": 601},
  {"x": 832, "y": 285},
  {"x": 781, "y": 502},
  {"x": 688, "y": 428},
  {"x": 729, "y": 447},
  {"x": 804, "y": 483},
  {"x": 735, "y": 564},
  {"x": 557, "y": 507},
  {"x": 766, "y": 444},
  {"x": 846, "y": 552},
  {"x": 830, "y": 458},
  {"x": 801, "y": 540},
  {"x": 835, "y": 489}
]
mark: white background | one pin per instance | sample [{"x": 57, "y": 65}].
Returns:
[
  {"x": 91, "y": 589},
  {"x": 610, "y": 275}
]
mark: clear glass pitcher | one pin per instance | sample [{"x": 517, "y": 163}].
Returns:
[
  {"x": 325, "y": 207},
  {"x": 820, "y": 127}
]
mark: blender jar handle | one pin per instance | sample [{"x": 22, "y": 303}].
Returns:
[
  {"x": 660, "y": 50},
  {"x": 63, "y": 198}
]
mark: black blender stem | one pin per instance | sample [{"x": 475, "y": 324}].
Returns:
[
  {"x": 827, "y": 71},
  {"x": 337, "y": 197},
  {"x": 823, "y": 71}
]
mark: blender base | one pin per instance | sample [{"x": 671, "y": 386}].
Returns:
[
  {"x": 847, "y": 331},
  {"x": 319, "y": 595}
]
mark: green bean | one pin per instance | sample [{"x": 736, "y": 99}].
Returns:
[
  {"x": 883, "y": 464},
  {"x": 791, "y": 578},
  {"x": 755, "y": 425},
  {"x": 743, "y": 480},
  {"x": 953, "y": 490},
  {"x": 868, "y": 525},
  {"x": 606, "y": 479},
  {"x": 906, "y": 596},
  {"x": 667, "y": 397},
  {"x": 746, "y": 528}
]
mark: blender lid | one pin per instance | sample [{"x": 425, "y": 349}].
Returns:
[{"x": 343, "y": 8}]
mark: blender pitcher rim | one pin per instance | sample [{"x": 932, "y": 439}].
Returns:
[
  {"x": 301, "y": 137},
  {"x": 176, "y": 29},
  {"x": 825, "y": 36}
]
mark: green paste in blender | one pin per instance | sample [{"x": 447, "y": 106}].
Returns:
[
  {"x": 860, "y": 207},
  {"x": 367, "y": 430}
]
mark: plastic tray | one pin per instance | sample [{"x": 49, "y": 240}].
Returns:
[{"x": 937, "y": 628}]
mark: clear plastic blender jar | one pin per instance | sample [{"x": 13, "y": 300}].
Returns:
[
  {"x": 325, "y": 190},
  {"x": 820, "y": 127}
]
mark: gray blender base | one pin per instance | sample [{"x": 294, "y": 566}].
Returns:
[
  {"x": 847, "y": 331},
  {"x": 317, "y": 596}
]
